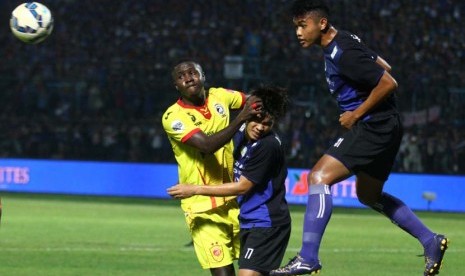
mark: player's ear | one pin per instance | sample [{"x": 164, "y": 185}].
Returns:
[
  {"x": 324, "y": 24},
  {"x": 202, "y": 76}
]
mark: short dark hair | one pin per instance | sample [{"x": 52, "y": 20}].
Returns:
[
  {"x": 182, "y": 61},
  {"x": 275, "y": 99},
  {"x": 187, "y": 60},
  {"x": 302, "y": 7}
]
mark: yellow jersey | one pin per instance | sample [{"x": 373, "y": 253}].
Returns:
[{"x": 180, "y": 122}]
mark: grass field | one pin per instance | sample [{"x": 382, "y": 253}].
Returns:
[{"x": 72, "y": 235}]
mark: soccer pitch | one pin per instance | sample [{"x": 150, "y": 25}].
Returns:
[{"x": 74, "y": 235}]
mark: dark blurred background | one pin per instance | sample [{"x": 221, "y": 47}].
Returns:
[{"x": 97, "y": 87}]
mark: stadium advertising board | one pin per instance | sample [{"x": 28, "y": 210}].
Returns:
[{"x": 419, "y": 191}]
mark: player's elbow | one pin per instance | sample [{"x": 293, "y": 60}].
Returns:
[
  {"x": 393, "y": 85},
  {"x": 388, "y": 68},
  {"x": 243, "y": 186},
  {"x": 242, "y": 191},
  {"x": 207, "y": 149},
  {"x": 203, "y": 144},
  {"x": 388, "y": 82}
]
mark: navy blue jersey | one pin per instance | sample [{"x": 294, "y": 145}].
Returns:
[
  {"x": 262, "y": 162},
  {"x": 352, "y": 73}
]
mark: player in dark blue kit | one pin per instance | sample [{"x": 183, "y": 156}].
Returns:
[
  {"x": 360, "y": 81},
  {"x": 259, "y": 174}
]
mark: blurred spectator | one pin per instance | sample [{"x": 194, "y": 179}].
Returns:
[{"x": 95, "y": 89}]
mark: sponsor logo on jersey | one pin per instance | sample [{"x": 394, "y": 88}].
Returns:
[{"x": 177, "y": 126}]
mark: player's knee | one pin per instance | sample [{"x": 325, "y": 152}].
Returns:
[
  {"x": 366, "y": 202},
  {"x": 367, "y": 199},
  {"x": 315, "y": 177}
]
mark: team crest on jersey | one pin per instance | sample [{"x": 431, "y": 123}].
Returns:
[
  {"x": 217, "y": 252},
  {"x": 220, "y": 109},
  {"x": 177, "y": 126}
]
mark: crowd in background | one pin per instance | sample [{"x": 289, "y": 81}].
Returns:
[{"x": 97, "y": 87}]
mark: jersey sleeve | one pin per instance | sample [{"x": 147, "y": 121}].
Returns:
[
  {"x": 360, "y": 66},
  {"x": 234, "y": 99},
  {"x": 178, "y": 125}
]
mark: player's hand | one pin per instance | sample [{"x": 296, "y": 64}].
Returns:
[
  {"x": 253, "y": 107},
  {"x": 181, "y": 191},
  {"x": 347, "y": 119}
]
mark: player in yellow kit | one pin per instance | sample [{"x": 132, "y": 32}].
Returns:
[{"x": 199, "y": 129}]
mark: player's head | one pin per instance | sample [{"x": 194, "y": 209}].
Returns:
[
  {"x": 183, "y": 64},
  {"x": 188, "y": 78},
  {"x": 311, "y": 19},
  {"x": 275, "y": 101}
]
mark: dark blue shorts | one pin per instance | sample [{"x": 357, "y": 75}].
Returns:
[
  {"x": 263, "y": 248},
  {"x": 370, "y": 146}
]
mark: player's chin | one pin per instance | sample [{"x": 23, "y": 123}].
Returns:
[
  {"x": 193, "y": 89},
  {"x": 305, "y": 44},
  {"x": 254, "y": 136}
]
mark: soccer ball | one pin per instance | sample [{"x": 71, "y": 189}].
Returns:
[{"x": 31, "y": 22}]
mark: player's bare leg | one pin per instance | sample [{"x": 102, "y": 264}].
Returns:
[
  {"x": 248, "y": 272},
  {"x": 223, "y": 271}
]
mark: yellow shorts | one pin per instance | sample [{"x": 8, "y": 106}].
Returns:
[{"x": 215, "y": 234}]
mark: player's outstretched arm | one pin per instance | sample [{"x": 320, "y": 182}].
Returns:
[
  {"x": 181, "y": 191},
  {"x": 211, "y": 143}
]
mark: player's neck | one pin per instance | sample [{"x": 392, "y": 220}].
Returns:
[
  {"x": 327, "y": 37},
  {"x": 195, "y": 101}
]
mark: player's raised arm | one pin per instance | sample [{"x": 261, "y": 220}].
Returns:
[{"x": 211, "y": 143}]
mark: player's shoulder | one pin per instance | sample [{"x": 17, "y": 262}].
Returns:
[
  {"x": 218, "y": 91},
  {"x": 347, "y": 40},
  {"x": 270, "y": 141},
  {"x": 352, "y": 47},
  {"x": 173, "y": 111}
]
